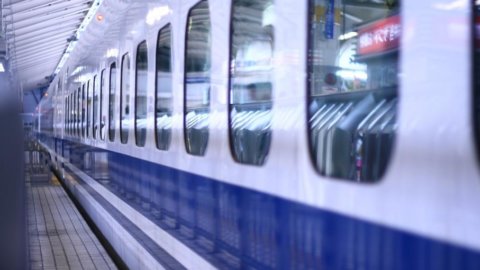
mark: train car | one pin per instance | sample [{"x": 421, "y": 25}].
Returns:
[{"x": 264, "y": 134}]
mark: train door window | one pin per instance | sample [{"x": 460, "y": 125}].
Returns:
[
  {"x": 163, "y": 89},
  {"x": 125, "y": 99},
  {"x": 89, "y": 107},
  {"x": 111, "y": 101},
  {"x": 352, "y": 86},
  {"x": 94, "y": 107},
  {"x": 197, "y": 79},
  {"x": 251, "y": 72},
  {"x": 102, "y": 114},
  {"x": 141, "y": 81},
  {"x": 83, "y": 111}
]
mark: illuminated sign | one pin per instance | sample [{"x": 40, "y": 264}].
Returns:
[{"x": 380, "y": 36}]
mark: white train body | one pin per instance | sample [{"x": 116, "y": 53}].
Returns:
[{"x": 431, "y": 188}]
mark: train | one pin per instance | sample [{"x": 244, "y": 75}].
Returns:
[{"x": 265, "y": 134}]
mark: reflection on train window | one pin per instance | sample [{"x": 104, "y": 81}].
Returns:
[
  {"x": 125, "y": 99},
  {"x": 197, "y": 79},
  {"x": 82, "y": 120},
  {"x": 95, "y": 107},
  {"x": 78, "y": 112},
  {"x": 250, "y": 80},
  {"x": 103, "y": 115},
  {"x": 89, "y": 107},
  {"x": 353, "y": 82},
  {"x": 163, "y": 96},
  {"x": 65, "y": 119},
  {"x": 74, "y": 113},
  {"x": 67, "y": 115},
  {"x": 141, "y": 94},
  {"x": 111, "y": 101},
  {"x": 476, "y": 72},
  {"x": 71, "y": 112}
]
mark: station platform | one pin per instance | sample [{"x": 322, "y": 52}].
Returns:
[{"x": 58, "y": 236}]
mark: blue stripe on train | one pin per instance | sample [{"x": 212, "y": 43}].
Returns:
[{"x": 234, "y": 227}]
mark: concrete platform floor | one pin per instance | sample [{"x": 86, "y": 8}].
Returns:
[{"x": 58, "y": 236}]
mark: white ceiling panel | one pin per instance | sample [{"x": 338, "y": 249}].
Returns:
[{"x": 37, "y": 33}]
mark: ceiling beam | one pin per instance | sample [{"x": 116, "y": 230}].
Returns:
[
  {"x": 39, "y": 48},
  {"x": 50, "y": 25},
  {"x": 30, "y": 59},
  {"x": 46, "y": 5},
  {"x": 43, "y": 37},
  {"x": 56, "y": 17},
  {"x": 50, "y": 10}
]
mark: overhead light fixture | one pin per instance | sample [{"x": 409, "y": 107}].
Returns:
[
  {"x": 156, "y": 14},
  {"x": 100, "y": 17},
  {"x": 90, "y": 15},
  {"x": 112, "y": 53},
  {"x": 2, "y": 68},
  {"x": 348, "y": 35}
]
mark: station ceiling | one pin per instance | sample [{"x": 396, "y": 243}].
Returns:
[{"x": 37, "y": 33}]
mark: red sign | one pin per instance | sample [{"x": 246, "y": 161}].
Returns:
[{"x": 379, "y": 36}]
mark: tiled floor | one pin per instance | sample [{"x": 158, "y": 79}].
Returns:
[{"x": 59, "y": 238}]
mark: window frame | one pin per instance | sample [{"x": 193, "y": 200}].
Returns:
[
  {"x": 229, "y": 93},
  {"x": 83, "y": 118},
  {"x": 308, "y": 99},
  {"x": 100, "y": 113},
  {"x": 77, "y": 122},
  {"x": 122, "y": 139},
  {"x": 156, "y": 99},
  {"x": 65, "y": 109},
  {"x": 111, "y": 101},
  {"x": 136, "y": 131},
  {"x": 94, "y": 105},
  {"x": 185, "y": 60},
  {"x": 87, "y": 115}
]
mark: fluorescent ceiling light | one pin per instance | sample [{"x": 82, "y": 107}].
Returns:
[
  {"x": 348, "y": 35},
  {"x": 157, "y": 14},
  {"x": 2, "y": 68}
]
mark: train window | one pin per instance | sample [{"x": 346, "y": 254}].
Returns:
[
  {"x": 163, "y": 89},
  {"x": 141, "y": 94},
  {"x": 95, "y": 107},
  {"x": 111, "y": 101},
  {"x": 197, "y": 79},
  {"x": 67, "y": 113},
  {"x": 251, "y": 72},
  {"x": 102, "y": 114},
  {"x": 65, "y": 107},
  {"x": 79, "y": 112},
  {"x": 89, "y": 107},
  {"x": 353, "y": 81},
  {"x": 74, "y": 113},
  {"x": 83, "y": 111},
  {"x": 476, "y": 72},
  {"x": 70, "y": 113},
  {"x": 125, "y": 99}
]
